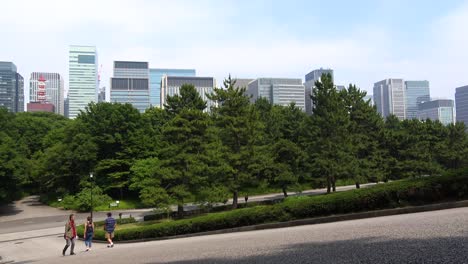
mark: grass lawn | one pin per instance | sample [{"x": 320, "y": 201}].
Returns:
[{"x": 123, "y": 204}]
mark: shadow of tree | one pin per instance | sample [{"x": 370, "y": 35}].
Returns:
[
  {"x": 368, "y": 250},
  {"x": 9, "y": 209}
]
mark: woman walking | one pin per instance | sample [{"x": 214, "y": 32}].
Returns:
[
  {"x": 88, "y": 233},
  {"x": 70, "y": 235}
]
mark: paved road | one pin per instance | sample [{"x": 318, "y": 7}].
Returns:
[
  {"x": 28, "y": 214},
  {"x": 429, "y": 237}
]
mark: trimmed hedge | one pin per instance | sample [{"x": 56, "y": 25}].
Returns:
[
  {"x": 99, "y": 226},
  {"x": 388, "y": 195},
  {"x": 206, "y": 210}
]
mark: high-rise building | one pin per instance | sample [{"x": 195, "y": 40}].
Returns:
[
  {"x": 40, "y": 107},
  {"x": 170, "y": 86},
  {"x": 389, "y": 98},
  {"x": 83, "y": 78},
  {"x": 130, "y": 84},
  {"x": 155, "y": 82},
  {"x": 461, "y": 104},
  {"x": 242, "y": 83},
  {"x": 416, "y": 92},
  {"x": 46, "y": 87},
  {"x": 280, "y": 91},
  {"x": 102, "y": 94},
  {"x": 441, "y": 110},
  {"x": 309, "y": 85},
  {"x": 66, "y": 107},
  {"x": 11, "y": 88}
]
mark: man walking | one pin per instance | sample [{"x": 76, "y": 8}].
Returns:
[
  {"x": 109, "y": 227},
  {"x": 70, "y": 235}
]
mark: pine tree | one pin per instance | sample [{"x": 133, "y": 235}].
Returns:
[{"x": 240, "y": 133}]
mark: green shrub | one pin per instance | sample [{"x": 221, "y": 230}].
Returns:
[
  {"x": 82, "y": 201},
  {"x": 388, "y": 195},
  {"x": 98, "y": 225}
]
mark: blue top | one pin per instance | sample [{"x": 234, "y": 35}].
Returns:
[{"x": 110, "y": 224}]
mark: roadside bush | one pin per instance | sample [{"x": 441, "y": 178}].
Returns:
[
  {"x": 99, "y": 225},
  {"x": 205, "y": 210},
  {"x": 82, "y": 201},
  {"x": 120, "y": 221},
  {"x": 381, "y": 196}
]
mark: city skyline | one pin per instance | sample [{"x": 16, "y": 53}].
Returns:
[{"x": 426, "y": 43}]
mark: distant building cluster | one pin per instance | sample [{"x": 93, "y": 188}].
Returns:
[
  {"x": 142, "y": 86},
  {"x": 412, "y": 100}
]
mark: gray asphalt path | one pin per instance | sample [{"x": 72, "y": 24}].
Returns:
[
  {"x": 28, "y": 214},
  {"x": 429, "y": 237}
]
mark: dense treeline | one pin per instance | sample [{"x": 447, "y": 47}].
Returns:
[{"x": 186, "y": 153}]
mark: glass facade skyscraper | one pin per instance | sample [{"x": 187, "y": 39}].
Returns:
[
  {"x": 441, "y": 110},
  {"x": 280, "y": 91},
  {"x": 461, "y": 104},
  {"x": 130, "y": 84},
  {"x": 416, "y": 92},
  {"x": 83, "y": 78},
  {"x": 11, "y": 88},
  {"x": 389, "y": 98},
  {"x": 156, "y": 75}
]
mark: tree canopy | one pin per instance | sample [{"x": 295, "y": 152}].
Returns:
[{"x": 188, "y": 153}]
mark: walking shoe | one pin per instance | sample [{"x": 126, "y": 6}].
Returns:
[
  {"x": 71, "y": 254},
  {"x": 87, "y": 249},
  {"x": 112, "y": 245},
  {"x": 63, "y": 252},
  {"x": 108, "y": 246}
]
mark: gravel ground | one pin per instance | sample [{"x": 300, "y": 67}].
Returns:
[{"x": 429, "y": 237}]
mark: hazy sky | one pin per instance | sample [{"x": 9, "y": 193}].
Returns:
[{"x": 363, "y": 41}]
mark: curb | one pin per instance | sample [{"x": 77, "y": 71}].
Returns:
[{"x": 313, "y": 221}]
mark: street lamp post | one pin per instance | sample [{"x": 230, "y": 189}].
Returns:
[{"x": 92, "y": 185}]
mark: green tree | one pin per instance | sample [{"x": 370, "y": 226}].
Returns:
[
  {"x": 288, "y": 165},
  {"x": 454, "y": 149},
  {"x": 240, "y": 134},
  {"x": 330, "y": 149},
  {"x": 182, "y": 167},
  {"x": 11, "y": 163},
  {"x": 112, "y": 127},
  {"x": 364, "y": 131},
  {"x": 61, "y": 167},
  {"x": 188, "y": 98}
]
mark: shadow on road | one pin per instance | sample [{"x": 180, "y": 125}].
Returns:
[
  {"x": 370, "y": 250},
  {"x": 9, "y": 209}
]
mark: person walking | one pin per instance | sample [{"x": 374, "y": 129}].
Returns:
[
  {"x": 70, "y": 235},
  {"x": 88, "y": 233},
  {"x": 109, "y": 227}
]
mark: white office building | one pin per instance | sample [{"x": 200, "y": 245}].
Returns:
[{"x": 83, "y": 78}]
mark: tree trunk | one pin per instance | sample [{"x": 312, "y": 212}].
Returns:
[
  {"x": 358, "y": 186},
  {"x": 285, "y": 192},
  {"x": 334, "y": 184},
  {"x": 180, "y": 210},
  {"x": 328, "y": 185},
  {"x": 234, "y": 199}
]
